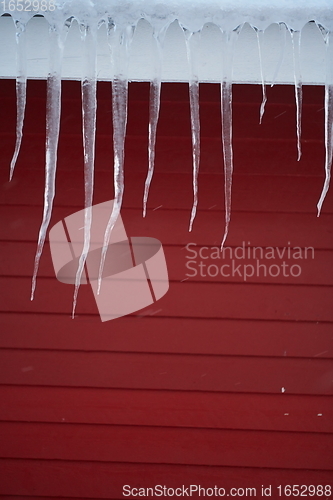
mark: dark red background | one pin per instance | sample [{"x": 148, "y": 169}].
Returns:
[{"x": 188, "y": 390}]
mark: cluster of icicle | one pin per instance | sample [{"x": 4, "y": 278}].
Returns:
[{"x": 121, "y": 18}]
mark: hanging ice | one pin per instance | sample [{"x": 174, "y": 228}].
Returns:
[
  {"x": 226, "y": 114},
  {"x": 21, "y": 90},
  {"x": 89, "y": 107},
  {"x": 296, "y": 42},
  {"x": 260, "y": 41},
  {"x": 192, "y": 15},
  {"x": 192, "y": 49},
  {"x": 53, "y": 110},
  {"x": 119, "y": 43},
  {"x": 328, "y": 117},
  {"x": 154, "y": 111}
]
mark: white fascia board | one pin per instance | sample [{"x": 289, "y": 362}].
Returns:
[{"x": 246, "y": 68}]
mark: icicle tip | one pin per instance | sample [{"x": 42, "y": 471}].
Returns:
[
  {"x": 223, "y": 241},
  {"x": 319, "y": 205}
]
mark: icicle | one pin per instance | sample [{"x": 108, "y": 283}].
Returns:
[
  {"x": 154, "y": 111},
  {"x": 119, "y": 42},
  {"x": 296, "y": 43},
  {"x": 328, "y": 117},
  {"x": 21, "y": 90},
  {"x": 192, "y": 48},
  {"x": 283, "y": 32},
  {"x": 226, "y": 114},
  {"x": 53, "y": 109},
  {"x": 260, "y": 40},
  {"x": 89, "y": 107}
]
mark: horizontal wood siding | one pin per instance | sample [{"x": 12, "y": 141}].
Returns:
[{"x": 222, "y": 382}]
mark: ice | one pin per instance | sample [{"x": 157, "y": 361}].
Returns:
[
  {"x": 296, "y": 43},
  {"x": 89, "y": 107},
  {"x": 328, "y": 117},
  {"x": 192, "y": 49},
  {"x": 283, "y": 32},
  {"x": 119, "y": 41},
  {"x": 192, "y": 15},
  {"x": 260, "y": 41},
  {"x": 226, "y": 115},
  {"x": 154, "y": 111},
  {"x": 21, "y": 90},
  {"x": 53, "y": 110}
]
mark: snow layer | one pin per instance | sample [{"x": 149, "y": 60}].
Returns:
[{"x": 192, "y": 14}]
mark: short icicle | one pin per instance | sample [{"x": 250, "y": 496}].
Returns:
[
  {"x": 89, "y": 108},
  {"x": 154, "y": 111},
  {"x": 296, "y": 43},
  {"x": 53, "y": 111},
  {"x": 192, "y": 48},
  {"x": 260, "y": 41},
  {"x": 328, "y": 118},
  {"x": 119, "y": 45},
  {"x": 21, "y": 90},
  {"x": 226, "y": 115}
]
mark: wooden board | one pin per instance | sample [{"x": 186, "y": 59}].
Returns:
[
  {"x": 294, "y": 413},
  {"x": 106, "y": 480},
  {"x": 223, "y": 381}
]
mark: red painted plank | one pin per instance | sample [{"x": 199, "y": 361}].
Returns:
[
  {"x": 148, "y": 333},
  {"x": 28, "y": 497},
  {"x": 259, "y": 338},
  {"x": 173, "y": 154},
  {"x": 165, "y": 371},
  {"x": 17, "y": 261},
  {"x": 167, "y": 408},
  {"x": 171, "y": 227},
  {"x": 106, "y": 480},
  {"x": 242, "y": 93},
  {"x": 187, "y": 299},
  {"x": 313, "y": 94},
  {"x": 138, "y": 105},
  {"x": 166, "y": 445},
  {"x": 204, "y": 264},
  {"x": 174, "y": 190},
  {"x": 260, "y": 229},
  {"x": 278, "y": 121}
]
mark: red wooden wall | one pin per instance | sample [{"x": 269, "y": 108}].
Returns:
[{"x": 221, "y": 382}]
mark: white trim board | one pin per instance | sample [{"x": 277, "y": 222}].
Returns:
[{"x": 174, "y": 63}]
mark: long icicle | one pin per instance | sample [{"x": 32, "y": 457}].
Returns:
[
  {"x": 21, "y": 90},
  {"x": 154, "y": 111},
  {"x": 119, "y": 119},
  {"x": 192, "y": 48},
  {"x": 53, "y": 111},
  {"x": 328, "y": 118},
  {"x": 89, "y": 108},
  {"x": 226, "y": 115},
  {"x": 260, "y": 41},
  {"x": 296, "y": 43},
  {"x": 283, "y": 37}
]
